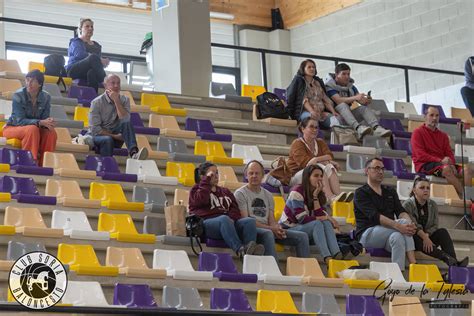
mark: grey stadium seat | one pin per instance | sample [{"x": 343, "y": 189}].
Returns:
[
  {"x": 181, "y": 298},
  {"x": 17, "y": 249},
  {"x": 60, "y": 116},
  {"x": 56, "y": 96},
  {"x": 177, "y": 149},
  {"x": 381, "y": 110},
  {"x": 319, "y": 303},
  {"x": 382, "y": 146},
  {"x": 152, "y": 196},
  {"x": 157, "y": 226},
  {"x": 355, "y": 163}
]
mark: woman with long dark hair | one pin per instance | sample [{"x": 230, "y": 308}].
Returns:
[
  {"x": 305, "y": 211},
  {"x": 428, "y": 237}
]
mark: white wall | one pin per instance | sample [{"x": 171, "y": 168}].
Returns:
[
  {"x": 435, "y": 33},
  {"x": 118, "y": 30}
]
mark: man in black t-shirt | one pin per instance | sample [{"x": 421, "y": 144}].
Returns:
[{"x": 381, "y": 220}]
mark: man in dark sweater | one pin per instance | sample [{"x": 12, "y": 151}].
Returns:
[
  {"x": 381, "y": 220},
  {"x": 432, "y": 154}
]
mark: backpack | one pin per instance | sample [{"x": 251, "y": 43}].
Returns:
[
  {"x": 54, "y": 66},
  {"x": 270, "y": 105}
]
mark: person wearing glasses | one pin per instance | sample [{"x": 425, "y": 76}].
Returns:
[
  {"x": 381, "y": 220},
  {"x": 428, "y": 237},
  {"x": 218, "y": 208}
]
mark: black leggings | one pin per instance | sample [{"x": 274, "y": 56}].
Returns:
[
  {"x": 468, "y": 97},
  {"x": 89, "y": 69},
  {"x": 439, "y": 237}
]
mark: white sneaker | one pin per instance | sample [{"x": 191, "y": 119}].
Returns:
[
  {"x": 382, "y": 132},
  {"x": 363, "y": 130},
  {"x": 142, "y": 154}
]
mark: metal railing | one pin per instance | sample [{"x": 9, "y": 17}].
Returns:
[{"x": 263, "y": 52}]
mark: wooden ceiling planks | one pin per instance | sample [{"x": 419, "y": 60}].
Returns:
[{"x": 257, "y": 13}]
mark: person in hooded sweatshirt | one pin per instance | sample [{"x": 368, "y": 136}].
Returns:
[
  {"x": 85, "y": 56},
  {"x": 218, "y": 208},
  {"x": 467, "y": 91},
  {"x": 341, "y": 89},
  {"x": 306, "y": 97}
]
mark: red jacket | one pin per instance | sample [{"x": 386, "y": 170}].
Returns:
[
  {"x": 207, "y": 204},
  {"x": 429, "y": 146}
]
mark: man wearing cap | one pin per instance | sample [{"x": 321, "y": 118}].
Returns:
[{"x": 30, "y": 120}]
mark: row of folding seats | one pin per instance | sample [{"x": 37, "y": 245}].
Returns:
[{"x": 440, "y": 193}]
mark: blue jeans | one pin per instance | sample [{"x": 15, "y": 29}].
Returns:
[
  {"x": 391, "y": 240},
  {"x": 323, "y": 124},
  {"x": 322, "y": 235},
  {"x": 235, "y": 234},
  {"x": 293, "y": 238},
  {"x": 105, "y": 144}
]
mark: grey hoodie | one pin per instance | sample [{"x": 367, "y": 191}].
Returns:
[{"x": 333, "y": 88}]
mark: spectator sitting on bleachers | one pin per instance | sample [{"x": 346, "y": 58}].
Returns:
[
  {"x": 467, "y": 91},
  {"x": 305, "y": 211},
  {"x": 109, "y": 122},
  {"x": 218, "y": 208},
  {"x": 30, "y": 120},
  {"x": 381, "y": 220},
  {"x": 85, "y": 56},
  {"x": 424, "y": 213},
  {"x": 432, "y": 154},
  {"x": 310, "y": 150},
  {"x": 340, "y": 88},
  {"x": 255, "y": 201},
  {"x": 307, "y": 97}
]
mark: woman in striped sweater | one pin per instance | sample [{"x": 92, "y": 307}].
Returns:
[{"x": 305, "y": 211}]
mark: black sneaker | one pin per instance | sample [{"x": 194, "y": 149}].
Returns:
[
  {"x": 464, "y": 262},
  {"x": 142, "y": 154},
  {"x": 259, "y": 250},
  {"x": 247, "y": 249}
]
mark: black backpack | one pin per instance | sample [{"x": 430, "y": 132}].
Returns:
[
  {"x": 54, "y": 66},
  {"x": 270, "y": 105}
]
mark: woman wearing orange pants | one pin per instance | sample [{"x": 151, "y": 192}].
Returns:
[{"x": 30, "y": 121}]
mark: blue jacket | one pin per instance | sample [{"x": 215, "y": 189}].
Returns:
[
  {"x": 22, "y": 108},
  {"x": 76, "y": 51}
]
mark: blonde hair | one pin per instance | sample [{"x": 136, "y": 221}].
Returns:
[{"x": 81, "y": 23}]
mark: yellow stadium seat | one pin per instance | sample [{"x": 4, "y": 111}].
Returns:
[
  {"x": 335, "y": 266},
  {"x": 278, "y": 210},
  {"x": 82, "y": 114},
  {"x": 228, "y": 179},
  {"x": 68, "y": 192},
  {"x": 121, "y": 227},
  {"x": 4, "y": 167},
  {"x": 181, "y": 197},
  {"x": 130, "y": 262},
  {"x": 64, "y": 142},
  {"x": 344, "y": 209},
  {"x": 65, "y": 165},
  {"x": 7, "y": 230},
  {"x": 169, "y": 126},
  {"x": 463, "y": 114},
  {"x": 113, "y": 197},
  {"x": 275, "y": 302},
  {"x": 29, "y": 222},
  {"x": 406, "y": 305},
  {"x": 47, "y": 79},
  {"x": 215, "y": 153},
  {"x": 5, "y": 197},
  {"x": 83, "y": 260},
  {"x": 14, "y": 142},
  {"x": 430, "y": 274},
  {"x": 159, "y": 104},
  {"x": 184, "y": 171},
  {"x": 142, "y": 141},
  {"x": 311, "y": 272},
  {"x": 252, "y": 91}
]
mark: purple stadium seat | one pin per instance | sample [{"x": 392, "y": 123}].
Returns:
[
  {"x": 205, "y": 130},
  {"x": 395, "y": 126},
  {"x": 120, "y": 152},
  {"x": 402, "y": 144},
  {"x": 223, "y": 268},
  {"x": 229, "y": 300},
  {"x": 139, "y": 128},
  {"x": 363, "y": 305},
  {"x": 134, "y": 296},
  {"x": 107, "y": 168},
  {"x": 378, "y": 252},
  {"x": 442, "y": 116},
  {"x": 215, "y": 243},
  {"x": 336, "y": 147},
  {"x": 462, "y": 275},
  {"x": 281, "y": 93},
  {"x": 83, "y": 83},
  {"x": 22, "y": 161},
  {"x": 84, "y": 95},
  {"x": 24, "y": 190},
  {"x": 398, "y": 167}
]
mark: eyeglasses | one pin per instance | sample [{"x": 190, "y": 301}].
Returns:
[{"x": 378, "y": 169}]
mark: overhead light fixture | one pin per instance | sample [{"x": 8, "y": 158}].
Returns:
[{"x": 221, "y": 16}]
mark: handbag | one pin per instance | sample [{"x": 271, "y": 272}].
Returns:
[
  {"x": 194, "y": 229},
  {"x": 175, "y": 216},
  {"x": 343, "y": 136},
  {"x": 281, "y": 171}
]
